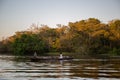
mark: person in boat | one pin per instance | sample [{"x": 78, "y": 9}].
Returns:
[
  {"x": 61, "y": 56},
  {"x": 35, "y": 54}
]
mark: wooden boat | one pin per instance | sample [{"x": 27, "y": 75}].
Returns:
[{"x": 34, "y": 59}]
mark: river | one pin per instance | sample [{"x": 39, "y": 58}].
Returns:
[{"x": 77, "y": 69}]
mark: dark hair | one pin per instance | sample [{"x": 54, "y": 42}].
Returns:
[{"x": 60, "y": 52}]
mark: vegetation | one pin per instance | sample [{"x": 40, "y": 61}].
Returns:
[
  {"x": 28, "y": 44},
  {"x": 85, "y": 37}
]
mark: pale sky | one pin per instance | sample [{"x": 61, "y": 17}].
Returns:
[{"x": 18, "y": 15}]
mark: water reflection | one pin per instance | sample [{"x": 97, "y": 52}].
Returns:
[{"x": 82, "y": 69}]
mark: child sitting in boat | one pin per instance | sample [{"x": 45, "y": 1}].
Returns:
[
  {"x": 61, "y": 56},
  {"x": 35, "y": 54}
]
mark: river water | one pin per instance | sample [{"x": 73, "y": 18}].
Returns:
[{"x": 77, "y": 69}]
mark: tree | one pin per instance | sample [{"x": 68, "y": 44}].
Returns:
[
  {"x": 28, "y": 44},
  {"x": 88, "y": 36}
]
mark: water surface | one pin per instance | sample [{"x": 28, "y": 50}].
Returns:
[{"x": 77, "y": 69}]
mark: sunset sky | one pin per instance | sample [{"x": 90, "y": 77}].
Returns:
[{"x": 18, "y": 15}]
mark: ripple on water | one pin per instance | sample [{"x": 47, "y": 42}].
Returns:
[{"x": 65, "y": 70}]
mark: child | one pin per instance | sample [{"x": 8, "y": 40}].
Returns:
[
  {"x": 61, "y": 55},
  {"x": 35, "y": 54}
]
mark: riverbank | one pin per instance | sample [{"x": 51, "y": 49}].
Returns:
[{"x": 56, "y": 55}]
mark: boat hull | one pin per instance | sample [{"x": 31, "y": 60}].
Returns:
[{"x": 39, "y": 59}]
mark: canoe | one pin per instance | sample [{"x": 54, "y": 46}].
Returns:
[{"x": 34, "y": 59}]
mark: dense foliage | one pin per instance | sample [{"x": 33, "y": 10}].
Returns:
[
  {"x": 28, "y": 44},
  {"x": 85, "y": 37}
]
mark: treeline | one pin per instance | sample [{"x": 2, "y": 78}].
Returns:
[{"x": 85, "y": 37}]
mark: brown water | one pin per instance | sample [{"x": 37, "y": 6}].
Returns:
[{"x": 77, "y": 69}]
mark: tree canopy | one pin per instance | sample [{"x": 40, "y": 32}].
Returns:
[{"x": 89, "y": 36}]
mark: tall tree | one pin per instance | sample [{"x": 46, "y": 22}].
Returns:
[{"x": 28, "y": 44}]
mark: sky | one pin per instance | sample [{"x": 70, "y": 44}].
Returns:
[{"x": 19, "y": 15}]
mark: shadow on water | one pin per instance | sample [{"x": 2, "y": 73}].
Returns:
[{"x": 79, "y": 69}]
